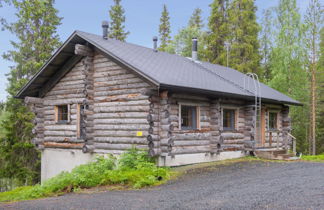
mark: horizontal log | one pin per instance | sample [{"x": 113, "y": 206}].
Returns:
[
  {"x": 140, "y": 115},
  {"x": 60, "y": 133},
  {"x": 126, "y": 127},
  {"x": 122, "y": 109},
  {"x": 83, "y": 50},
  {"x": 59, "y": 127},
  {"x": 127, "y": 97},
  {"x": 228, "y": 136},
  {"x": 192, "y": 136},
  {"x": 154, "y": 152},
  {"x": 120, "y": 140},
  {"x": 114, "y": 146},
  {"x": 123, "y": 103},
  {"x": 62, "y": 145},
  {"x": 120, "y": 121},
  {"x": 118, "y": 133},
  {"x": 191, "y": 143},
  {"x": 189, "y": 149},
  {"x": 33, "y": 100}
]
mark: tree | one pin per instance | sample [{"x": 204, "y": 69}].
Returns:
[
  {"x": 182, "y": 42},
  {"x": 117, "y": 28},
  {"x": 287, "y": 65},
  {"x": 313, "y": 20},
  {"x": 219, "y": 32},
  {"x": 266, "y": 44},
  {"x": 164, "y": 29},
  {"x": 196, "y": 19},
  {"x": 244, "y": 44},
  {"x": 35, "y": 30},
  {"x": 233, "y": 38},
  {"x": 320, "y": 92}
]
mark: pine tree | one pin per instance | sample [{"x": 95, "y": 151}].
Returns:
[
  {"x": 287, "y": 64},
  {"x": 219, "y": 32},
  {"x": 196, "y": 19},
  {"x": 266, "y": 44},
  {"x": 35, "y": 30},
  {"x": 182, "y": 42},
  {"x": 313, "y": 19},
  {"x": 320, "y": 92},
  {"x": 244, "y": 44},
  {"x": 164, "y": 29},
  {"x": 117, "y": 16}
]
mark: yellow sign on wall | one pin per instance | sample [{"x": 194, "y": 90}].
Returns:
[{"x": 139, "y": 133}]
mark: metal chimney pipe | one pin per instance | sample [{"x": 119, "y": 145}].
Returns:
[
  {"x": 105, "y": 26},
  {"x": 155, "y": 39},
  {"x": 194, "y": 54}
]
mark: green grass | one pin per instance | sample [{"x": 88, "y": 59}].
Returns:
[
  {"x": 313, "y": 157},
  {"x": 134, "y": 169}
]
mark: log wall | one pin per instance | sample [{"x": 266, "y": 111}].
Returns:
[{"x": 121, "y": 110}]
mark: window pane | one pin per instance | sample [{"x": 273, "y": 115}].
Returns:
[
  {"x": 63, "y": 113},
  {"x": 188, "y": 117},
  {"x": 272, "y": 120},
  {"x": 229, "y": 119}
]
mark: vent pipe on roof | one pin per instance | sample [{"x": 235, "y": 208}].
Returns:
[
  {"x": 155, "y": 39},
  {"x": 194, "y": 54},
  {"x": 105, "y": 26}
]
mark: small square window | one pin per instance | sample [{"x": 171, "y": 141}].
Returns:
[
  {"x": 189, "y": 117},
  {"x": 62, "y": 113},
  {"x": 273, "y": 119},
  {"x": 229, "y": 119}
]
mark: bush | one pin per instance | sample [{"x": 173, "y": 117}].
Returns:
[{"x": 133, "y": 169}]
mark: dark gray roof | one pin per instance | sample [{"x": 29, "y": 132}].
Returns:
[{"x": 160, "y": 68}]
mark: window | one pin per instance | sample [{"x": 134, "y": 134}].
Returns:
[
  {"x": 62, "y": 113},
  {"x": 273, "y": 120},
  {"x": 229, "y": 119},
  {"x": 189, "y": 117}
]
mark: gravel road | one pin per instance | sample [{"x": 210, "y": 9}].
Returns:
[{"x": 244, "y": 185}]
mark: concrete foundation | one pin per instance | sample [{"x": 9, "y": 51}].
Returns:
[
  {"x": 186, "y": 159},
  {"x": 54, "y": 161}
]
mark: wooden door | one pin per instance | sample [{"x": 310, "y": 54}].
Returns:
[{"x": 263, "y": 126}]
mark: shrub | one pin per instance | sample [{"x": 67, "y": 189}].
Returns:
[{"x": 133, "y": 169}]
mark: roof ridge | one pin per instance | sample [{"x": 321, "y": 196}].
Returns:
[{"x": 214, "y": 73}]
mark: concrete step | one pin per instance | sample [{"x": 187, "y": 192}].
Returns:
[{"x": 271, "y": 154}]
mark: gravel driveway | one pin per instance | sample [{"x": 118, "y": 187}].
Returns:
[{"x": 243, "y": 185}]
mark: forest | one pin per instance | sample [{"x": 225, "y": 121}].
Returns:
[{"x": 284, "y": 47}]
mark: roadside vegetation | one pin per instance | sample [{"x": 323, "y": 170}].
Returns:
[
  {"x": 319, "y": 158},
  {"x": 134, "y": 169}
]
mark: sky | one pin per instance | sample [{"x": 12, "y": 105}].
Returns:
[{"x": 142, "y": 20}]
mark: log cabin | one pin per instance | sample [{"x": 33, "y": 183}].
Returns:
[{"x": 98, "y": 95}]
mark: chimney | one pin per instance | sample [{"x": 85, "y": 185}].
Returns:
[
  {"x": 105, "y": 29},
  {"x": 155, "y": 39},
  {"x": 194, "y": 54}
]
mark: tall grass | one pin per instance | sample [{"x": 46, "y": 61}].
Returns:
[
  {"x": 313, "y": 157},
  {"x": 133, "y": 169}
]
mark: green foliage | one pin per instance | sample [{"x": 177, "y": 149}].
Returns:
[
  {"x": 313, "y": 157},
  {"x": 117, "y": 16},
  {"x": 287, "y": 64},
  {"x": 182, "y": 42},
  {"x": 195, "y": 20},
  {"x": 133, "y": 169},
  {"x": 266, "y": 44},
  {"x": 320, "y": 95},
  {"x": 35, "y": 29},
  {"x": 234, "y": 22},
  {"x": 164, "y": 29},
  {"x": 219, "y": 32}
]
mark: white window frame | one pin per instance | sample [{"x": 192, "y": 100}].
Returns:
[{"x": 197, "y": 113}]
